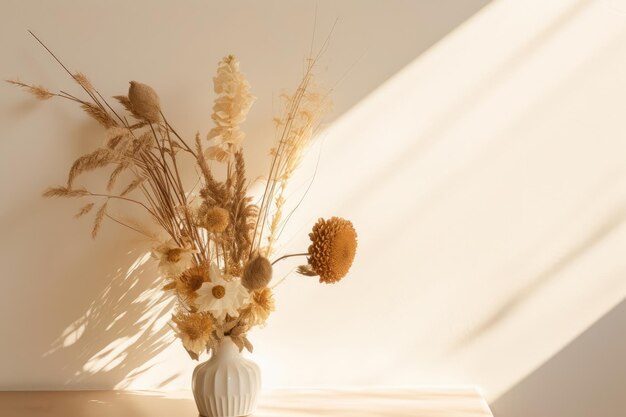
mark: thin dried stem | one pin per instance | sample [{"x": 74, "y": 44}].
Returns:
[{"x": 290, "y": 256}]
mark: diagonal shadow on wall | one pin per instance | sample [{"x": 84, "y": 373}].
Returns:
[{"x": 121, "y": 329}]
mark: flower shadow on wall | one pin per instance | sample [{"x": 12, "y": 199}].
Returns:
[
  {"x": 122, "y": 328},
  {"x": 96, "y": 313}
]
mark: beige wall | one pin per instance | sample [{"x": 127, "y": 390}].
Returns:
[{"x": 479, "y": 152}]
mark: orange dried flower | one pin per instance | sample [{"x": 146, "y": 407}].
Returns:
[{"x": 332, "y": 250}]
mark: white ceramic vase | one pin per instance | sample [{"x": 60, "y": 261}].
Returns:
[{"x": 227, "y": 385}]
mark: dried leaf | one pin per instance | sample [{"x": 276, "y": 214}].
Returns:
[
  {"x": 238, "y": 331},
  {"x": 238, "y": 341},
  {"x": 247, "y": 344},
  {"x": 219, "y": 333},
  {"x": 192, "y": 355},
  {"x": 214, "y": 342},
  {"x": 228, "y": 326},
  {"x": 306, "y": 270}
]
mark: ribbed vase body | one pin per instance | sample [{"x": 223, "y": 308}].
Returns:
[{"x": 227, "y": 385}]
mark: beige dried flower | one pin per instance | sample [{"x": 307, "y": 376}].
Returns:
[
  {"x": 194, "y": 329},
  {"x": 257, "y": 274},
  {"x": 333, "y": 248},
  {"x": 215, "y": 219},
  {"x": 174, "y": 259},
  {"x": 261, "y": 306},
  {"x": 144, "y": 101}
]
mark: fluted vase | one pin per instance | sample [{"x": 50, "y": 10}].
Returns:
[{"x": 227, "y": 385}]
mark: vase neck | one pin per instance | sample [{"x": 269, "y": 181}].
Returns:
[{"x": 227, "y": 348}]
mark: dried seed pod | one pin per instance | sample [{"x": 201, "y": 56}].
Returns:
[
  {"x": 257, "y": 273},
  {"x": 144, "y": 102}
]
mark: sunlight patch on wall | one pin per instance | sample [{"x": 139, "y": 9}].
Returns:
[{"x": 486, "y": 181}]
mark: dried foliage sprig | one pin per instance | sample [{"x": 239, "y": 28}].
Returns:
[
  {"x": 215, "y": 257},
  {"x": 304, "y": 111}
]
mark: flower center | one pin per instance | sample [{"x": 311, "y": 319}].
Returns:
[
  {"x": 218, "y": 291},
  {"x": 174, "y": 255},
  {"x": 195, "y": 282},
  {"x": 193, "y": 334}
]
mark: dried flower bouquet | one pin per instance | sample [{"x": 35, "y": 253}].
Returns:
[{"x": 215, "y": 260}]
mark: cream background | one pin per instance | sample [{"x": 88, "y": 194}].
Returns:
[{"x": 480, "y": 153}]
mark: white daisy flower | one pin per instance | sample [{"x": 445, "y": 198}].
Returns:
[{"x": 220, "y": 296}]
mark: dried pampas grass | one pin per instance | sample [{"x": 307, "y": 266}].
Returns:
[
  {"x": 84, "y": 210},
  {"x": 36, "y": 90},
  {"x": 302, "y": 117}
]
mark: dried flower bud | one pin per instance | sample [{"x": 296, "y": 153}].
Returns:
[
  {"x": 144, "y": 102},
  {"x": 257, "y": 274}
]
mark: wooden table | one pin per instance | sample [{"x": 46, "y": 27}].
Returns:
[{"x": 284, "y": 403}]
